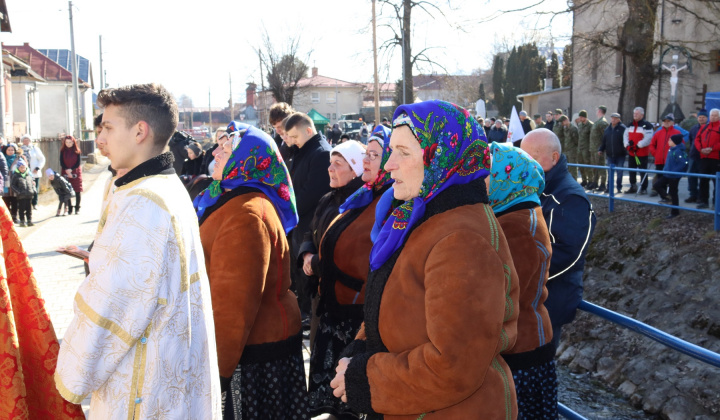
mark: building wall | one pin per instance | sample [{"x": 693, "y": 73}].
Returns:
[
  {"x": 55, "y": 109},
  {"x": 349, "y": 100},
  {"x": 26, "y": 110},
  {"x": 546, "y": 101},
  {"x": 596, "y": 78}
]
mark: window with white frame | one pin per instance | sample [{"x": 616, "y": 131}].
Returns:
[
  {"x": 330, "y": 97},
  {"x": 315, "y": 96}
]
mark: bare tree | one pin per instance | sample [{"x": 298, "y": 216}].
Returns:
[
  {"x": 400, "y": 24},
  {"x": 284, "y": 68}
]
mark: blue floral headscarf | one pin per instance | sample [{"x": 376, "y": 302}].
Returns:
[
  {"x": 256, "y": 163},
  {"x": 365, "y": 194},
  {"x": 455, "y": 152},
  {"x": 515, "y": 177}
]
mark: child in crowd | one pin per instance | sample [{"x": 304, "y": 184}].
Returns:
[
  {"x": 63, "y": 189},
  {"x": 23, "y": 186},
  {"x": 677, "y": 161}
]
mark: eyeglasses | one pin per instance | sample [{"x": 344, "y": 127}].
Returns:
[{"x": 372, "y": 155}]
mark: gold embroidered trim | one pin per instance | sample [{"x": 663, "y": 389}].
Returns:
[
  {"x": 103, "y": 322},
  {"x": 66, "y": 393},
  {"x": 137, "y": 181},
  {"x": 138, "y": 378},
  {"x": 155, "y": 198},
  {"x": 162, "y": 301}
]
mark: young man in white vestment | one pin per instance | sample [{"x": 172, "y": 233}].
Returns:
[{"x": 142, "y": 340}]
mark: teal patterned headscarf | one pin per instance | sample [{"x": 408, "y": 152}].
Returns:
[{"x": 515, "y": 177}]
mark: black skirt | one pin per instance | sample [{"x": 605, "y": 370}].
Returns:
[
  {"x": 331, "y": 338},
  {"x": 269, "y": 383}
]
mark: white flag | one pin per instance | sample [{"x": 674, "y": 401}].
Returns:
[{"x": 515, "y": 130}]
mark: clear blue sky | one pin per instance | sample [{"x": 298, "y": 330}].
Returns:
[{"x": 193, "y": 47}]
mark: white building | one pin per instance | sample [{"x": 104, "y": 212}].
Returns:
[{"x": 330, "y": 97}]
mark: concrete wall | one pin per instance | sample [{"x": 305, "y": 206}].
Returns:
[
  {"x": 26, "y": 110},
  {"x": 349, "y": 100},
  {"x": 546, "y": 101}
]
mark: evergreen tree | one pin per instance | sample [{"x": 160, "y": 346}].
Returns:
[
  {"x": 398, "y": 97},
  {"x": 481, "y": 91},
  {"x": 498, "y": 80},
  {"x": 553, "y": 71},
  {"x": 567, "y": 66}
]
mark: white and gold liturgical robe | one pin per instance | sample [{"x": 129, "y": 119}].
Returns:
[{"x": 142, "y": 340}]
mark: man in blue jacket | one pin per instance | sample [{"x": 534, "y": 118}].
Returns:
[
  {"x": 571, "y": 221},
  {"x": 613, "y": 148}
]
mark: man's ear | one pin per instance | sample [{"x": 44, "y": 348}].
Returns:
[
  {"x": 555, "y": 158},
  {"x": 142, "y": 132}
]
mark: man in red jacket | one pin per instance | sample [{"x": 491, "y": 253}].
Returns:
[
  {"x": 659, "y": 146},
  {"x": 707, "y": 142},
  {"x": 636, "y": 139}
]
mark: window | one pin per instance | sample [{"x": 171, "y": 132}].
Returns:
[
  {"x": 328, "y": 115},
  {"x": 315, "y": 97},
  {"x": 714, "y": 61},
  {"x": 330, "y": 97},
  {"x": 334, "y": 116}
]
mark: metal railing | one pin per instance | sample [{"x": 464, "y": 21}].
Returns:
[
  {"x": 612, "y": 172},
  {"x": 692, "y": 350}
]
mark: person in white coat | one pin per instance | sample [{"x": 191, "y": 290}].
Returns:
[{"x": 36, "y": 160}]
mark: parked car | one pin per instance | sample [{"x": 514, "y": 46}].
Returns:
[{"x": 351, "y": 128}]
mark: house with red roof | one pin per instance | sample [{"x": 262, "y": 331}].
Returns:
[
  {"x": 56, "y": 92},
  {"x": 22, "y": 104},
  {"x": 328, "y": 96}
]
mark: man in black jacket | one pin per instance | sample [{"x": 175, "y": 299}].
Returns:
[
  {"x": 614, "y": 149},
  {"x": 309, "y": 174}
]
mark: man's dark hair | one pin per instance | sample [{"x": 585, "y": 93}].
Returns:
[
  {"x": 279, "y": 112},
  {"x": 299, "y": 120},
  {"x": 148, "y": 102},
  {"x": 97, "y": 121},
  {"x": 345, "y": 136}
]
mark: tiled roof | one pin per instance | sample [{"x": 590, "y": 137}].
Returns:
[{"x": 322, "y": 81}]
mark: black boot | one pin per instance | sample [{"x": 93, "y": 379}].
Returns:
[{"x": 77, "y": 210}]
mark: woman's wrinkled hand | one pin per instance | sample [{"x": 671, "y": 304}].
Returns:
[{"x": 307, "y": 264}]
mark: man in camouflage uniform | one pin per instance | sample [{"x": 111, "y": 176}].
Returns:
[
  {"x": 539, "y": 123},
  {"x": 559, "y": 129},
  {"x": 570, "y": 143},
  {"x": 584, "y": 127},
  {"x": 599, "y": 176}
]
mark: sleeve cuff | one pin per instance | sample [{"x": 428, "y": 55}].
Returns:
[
  {"x": 357, "y": 384},
  {"x": 356, "y": 347},
  {"x": 306, "y": 246},
  {"x": 315, "y": 264}
]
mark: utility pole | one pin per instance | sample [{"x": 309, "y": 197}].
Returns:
[
  {"x": 232, "y": 111},
  {"x": 76, "y": 95},
  {"x": 265, "y": 115},
  {"x": 102, "y": 79},
  {"x": 209, "y": 113},
  {"x": 403, "y": 66},
  {"x": 375, "y": 70}
]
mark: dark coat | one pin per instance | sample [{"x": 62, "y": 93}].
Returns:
[
  {"x": 62, "y": 188},
  {"x": 612, "y": 142},
  {"x": 23, "y": 185},
  {"x": 693, "y": 153},
  {"x": 325, "y": 212},
  {"x": 196, "y": 166},
  {"x": 550, "y": 125},
  {"x": 498, "y": 134},
  {"x": 71, "y": 160},
  {"x": 571, "y": 221},
  {"x": 526, "y": 125},
  {"x": 311, "y": 181},
  {"x": 437, "y": 316}
]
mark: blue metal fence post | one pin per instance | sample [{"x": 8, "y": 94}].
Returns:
[
  {"x": 717, "y": 201},
  {"x": 611, "y": 188}
]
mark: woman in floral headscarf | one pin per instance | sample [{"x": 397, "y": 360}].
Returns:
[
  {"x": 342, "y": 267},
  {"x": 441, "y": 299},
  {"x": 245, "y": 215},
  {"x": 515, "y": 183}
]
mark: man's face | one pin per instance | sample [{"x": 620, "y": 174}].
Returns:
[
  {"x": 615, "y": 121},
  {"x": 26, "y": 141},
  {"x": 279, "y": 129},
  {"x": 298, "y": 135},
  {"x": 566, "y": 123},
  {"x": 599, "y": 114},
  {"x": 637, "y": 115},
  {"x": 119, "y": 139},
  {"x": 702, "y": 119},
  {"x": 538, "y": 120},
  {"x": 548, "y": 117},
  {"x": 668, "y": 123},
  {"x": 582, "y": 119},
  {"x": 714, "y": 117},
  {"x": 522, "y": 118}
]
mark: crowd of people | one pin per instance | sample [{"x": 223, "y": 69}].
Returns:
[
  {"x": 431, "y": 265},
  {"x": 422, "y": 266},
  {"x": 633, "y": 145}
]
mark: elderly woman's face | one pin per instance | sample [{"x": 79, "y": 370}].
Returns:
[
  {"x": 371, "y": 161},
  {"x": 405, "y": 164},
  {"x": 222, "y": 154},
  {"x": 340, "y": 171}
]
